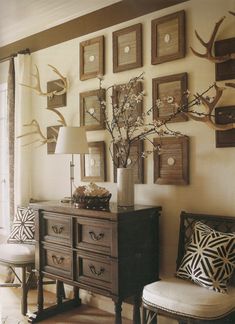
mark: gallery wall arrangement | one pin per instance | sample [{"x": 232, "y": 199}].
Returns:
[{"x": 171, "y": 101}]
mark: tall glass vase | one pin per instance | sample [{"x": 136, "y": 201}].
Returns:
[{"x": 125, "y": 187}]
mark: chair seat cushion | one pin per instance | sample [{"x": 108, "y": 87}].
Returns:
[
  {"x": 185, "y": 298},
  {"x": 17, "y": 253}
]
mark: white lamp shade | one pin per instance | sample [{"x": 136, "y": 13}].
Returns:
[{"x": 71, "y": 140}]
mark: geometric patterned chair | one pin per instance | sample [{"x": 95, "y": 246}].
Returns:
[
  {"x": 207, "y": 257},
  {"x": 19, "y": 252}
]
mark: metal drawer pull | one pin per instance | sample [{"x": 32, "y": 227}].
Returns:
[
  {"x": 57, "y": 229},
  {"x": 93, "y": 270},
  {"x": 57, "y": 260},
  {"x": 95, "y": 237}
]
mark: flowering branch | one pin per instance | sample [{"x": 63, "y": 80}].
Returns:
[{"x": 127, "y": 124}]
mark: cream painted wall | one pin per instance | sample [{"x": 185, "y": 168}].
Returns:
[{"x": 212, "y": 171}]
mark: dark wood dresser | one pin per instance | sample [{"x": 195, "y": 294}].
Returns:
[{"x": 110, "y": 252}]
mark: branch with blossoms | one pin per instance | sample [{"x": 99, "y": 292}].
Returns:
[{"x": 127, "y": 126}]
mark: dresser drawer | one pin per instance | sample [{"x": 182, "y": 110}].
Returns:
[
  {"x": 96, "y": 235},
  {"x": 57, "y": 261},
  {"x": 57, "y": 228},
  {"x": 96, "y": 271}
]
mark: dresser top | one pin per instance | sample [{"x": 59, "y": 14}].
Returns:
[{"x": 113, "y": 212}]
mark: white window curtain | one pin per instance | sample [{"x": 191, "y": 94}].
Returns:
[
  {"x": 23, "y": 114},
  {"x": 11, "y": 137},
  {"x": 4, "y": 170}
]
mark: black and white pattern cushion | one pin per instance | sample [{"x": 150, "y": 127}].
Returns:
[
  {"x": 23, "y": 226},
  {"x": 210, "y": 258}
]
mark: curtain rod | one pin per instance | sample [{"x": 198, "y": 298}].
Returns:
[{"x": 24, "y": 51}]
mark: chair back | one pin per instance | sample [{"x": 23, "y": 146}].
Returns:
[{"x": 225, "y": 224}]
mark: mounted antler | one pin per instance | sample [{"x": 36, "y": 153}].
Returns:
[
  {"x": 43, "y": 139},
  {"x": 230, "y": 84},
  {"x": 63, "y": 85},
  {"x": 62, "y": 119},
  {"x": 210, "y": 105},
  {"x": 209, "y": 46}
]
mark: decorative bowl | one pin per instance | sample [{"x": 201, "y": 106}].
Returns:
[{"x": 92, "y": 202}]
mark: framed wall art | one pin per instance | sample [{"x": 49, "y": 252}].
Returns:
[
  {"x": 136, "y": 162},
  {"x": 56, "y": 101},
  {"x": 225, "y": 115},
  {"x": 225, "y": 70},
  {"x": 172, "y": 165},
  {"x": 171, "y": 92},
  {"x": 92, "y": 58},
  {"x": 93, "y": 165},
  {"x": 168, "y": 38},
  {"x": 127, "y": 48},
  {"x": 119, "y": 92},
  {"x": 90, "y": 111}
]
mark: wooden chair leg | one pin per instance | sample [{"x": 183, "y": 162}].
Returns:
[
  {"x": 136, "y": 309},
  {"x": 144, "y": 314},
  {"x": 154, "y": 320},
  {"x": 23, "y": 292},
  {"x": 149, "y": 317},
  {"x": 40, "y": 292},
  {"x": 31, "y": 278}
]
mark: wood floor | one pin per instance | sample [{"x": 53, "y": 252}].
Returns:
[{"x": 10, "y": 310}]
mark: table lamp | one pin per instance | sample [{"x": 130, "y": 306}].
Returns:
[{"x": 71, "y": 140}]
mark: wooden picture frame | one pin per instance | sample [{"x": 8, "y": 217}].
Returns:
[
  {"x": 93, "y": 165},
  {"x": 172, "y": 165},
  {"x": 127, "y": 48},
  {"x": 225, "y": 115},
  {"x": 118, "y": 95},
  {"x": 52, "y": 132},
  {"x": 138, "y": 162},
  {"x": 56, "y": 101},
  {"x": 92, "y": 58},
  {"x": 225, "y": 70},
  {"x": 90, "y": 101},
  {"x": 172, "y": 87},
  {"x": 168, "y": 38}
]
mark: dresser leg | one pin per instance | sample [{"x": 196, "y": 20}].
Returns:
[
  {"x": 76, "y": 293},
  {"x": 60, "y": 293},
  {"x": 136, "y": 310},
  {"x": 118, "y": 312}
]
